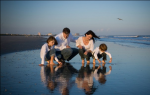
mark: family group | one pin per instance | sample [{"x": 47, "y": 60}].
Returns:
[{"x": 57, "y": 48}]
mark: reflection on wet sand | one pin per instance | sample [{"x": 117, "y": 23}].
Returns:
[{"x": 60, "y": 77}]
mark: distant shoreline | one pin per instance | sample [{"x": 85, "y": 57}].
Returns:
[{"x": 23, "y": 35}]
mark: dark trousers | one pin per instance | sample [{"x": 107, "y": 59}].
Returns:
[
  {"x": 67, "y": 53},
  {"x": 83, "y": 56},
  {"x": 103, "y": 55}
]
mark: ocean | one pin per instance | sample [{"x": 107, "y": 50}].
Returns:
[{"x": 140, "y": 41}]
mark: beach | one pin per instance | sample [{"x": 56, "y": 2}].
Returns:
[
  {"x": 21, "y": 75},
  {"x": 11, "y": 44}
]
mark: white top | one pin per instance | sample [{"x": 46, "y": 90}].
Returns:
[
  {"x": 90, "y": 46},
  {"x": 43, "y": 52},
  {"x": 62, "y": 42},
  {"x": 96, "y": 51}
]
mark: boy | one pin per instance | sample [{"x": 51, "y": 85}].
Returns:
[{"x": 100, "y": 52}]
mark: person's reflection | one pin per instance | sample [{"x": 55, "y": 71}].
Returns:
[
  {"x": 84, "y": 80},
  {"x": 58, "y": 77},
  {"x": 48, "y": 77},
  {"x": 100, "y": 73},
  {"x": 63, "y": 78}
]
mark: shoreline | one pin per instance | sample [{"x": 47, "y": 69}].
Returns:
[{"x": 10, "y": 44}]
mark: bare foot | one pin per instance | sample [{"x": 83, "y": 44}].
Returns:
[{"x": 41, "y": 64}]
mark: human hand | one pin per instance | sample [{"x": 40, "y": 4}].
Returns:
[
  {"x": 85, "y": 52},
  {"x": 79, "y": 46},
  {"x": 99, "y": 61},
  {"x": 103, "y": 61},
  {"x": 110, "y": 60},
  {"x": 67, "y": 46},
  {"x": 60, "y": 63},
  {"x": 110, "y": 67}
]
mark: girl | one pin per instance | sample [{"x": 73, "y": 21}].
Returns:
[
  {"x": 86, "y": 45},
  {"x": 48, "y": 52}
]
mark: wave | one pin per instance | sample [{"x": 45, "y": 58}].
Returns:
[{"x": 128, "y": 36}]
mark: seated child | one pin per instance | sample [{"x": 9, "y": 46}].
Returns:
[{"x": 100, "y": 52}]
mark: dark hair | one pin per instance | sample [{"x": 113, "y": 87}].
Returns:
[
  {"x": 90, "y": 32},
  {"x": 51, "y": 38},
  {"x": 103, "y": 47},
  {"x": 66, "y": 30}
]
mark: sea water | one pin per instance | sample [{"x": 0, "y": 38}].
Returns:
[{"x": 141, "y": 41}]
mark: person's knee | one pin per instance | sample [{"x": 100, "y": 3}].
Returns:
[{"x": 52, "y": 52}]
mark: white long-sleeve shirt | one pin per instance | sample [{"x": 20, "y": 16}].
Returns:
[
  {"x": 43, "y": 52},
  {"x": 90, "y": 46},
  {"x": 96, "y": 51},
  {"x": 62, "y": 42}
]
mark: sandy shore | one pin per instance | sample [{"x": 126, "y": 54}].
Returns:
[
  {"x": 129, "y": 75},
  {"x": 11, "y": 44}
]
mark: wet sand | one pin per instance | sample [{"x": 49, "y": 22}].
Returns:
[
  {"x": 11, "y": 44},
  {"x": 21, "y": 75}
]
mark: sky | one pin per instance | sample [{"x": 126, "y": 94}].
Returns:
[{"x": 31, "y": 17}]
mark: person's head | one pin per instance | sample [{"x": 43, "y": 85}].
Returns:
[
  {"x": 91, "y": 35},
  {"x": 102, "y": 79},
  {"x": 66, "y": 32},
  {"x": 51, "y": 85},
  {"x": 103, "y": 47},
  {"x": 51, "y": 41}
]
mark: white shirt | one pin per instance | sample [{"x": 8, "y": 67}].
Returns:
[
  {"x": 90, "y": 45},
  {"x": 96, "y": 51},
  {"x": 43, "y": 52},
  {"x": 62, "y": 42}
]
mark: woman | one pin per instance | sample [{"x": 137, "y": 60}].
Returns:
[
  {"x": 86, "y": 45},
  {"x": 48, "y": 52}
]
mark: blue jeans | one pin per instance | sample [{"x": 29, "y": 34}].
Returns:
[{"x": 67, "y": 53}]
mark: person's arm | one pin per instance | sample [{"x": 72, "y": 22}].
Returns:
[
  {"x": 91, "y": 46},
  {"x": 78, "y": 43},
  {"x": 72, "y": 38},
  {"x": 43, "y": 53},
  {"x": 95, "y": 74},
  {"x": 109, "y": 56}
]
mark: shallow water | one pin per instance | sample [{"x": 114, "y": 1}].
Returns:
[{"x": 21, "y": 75}]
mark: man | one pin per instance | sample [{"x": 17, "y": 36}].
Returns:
[{"x": 63, "y": 48}]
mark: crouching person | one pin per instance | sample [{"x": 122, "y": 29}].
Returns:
[{"x": 48, "y": 52}]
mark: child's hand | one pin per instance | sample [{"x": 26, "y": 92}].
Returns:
[
  {"x": 103, "y": 61},
  {"x": 99, "y": 61},
  {"x": 110, "y": 61},
  {"x": 85, "y": 52},
  {"x": 60, "y": 63},
  {"x": 110, "y": 67}
]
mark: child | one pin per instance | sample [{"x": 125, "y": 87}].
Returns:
[
  {"x": 48, "y": 52},
  {"x": 100, "y": 52}
]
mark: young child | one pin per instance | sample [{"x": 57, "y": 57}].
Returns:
[
  {"x": 48, "y": 52},
  {"x": 100, "y": 52}
]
